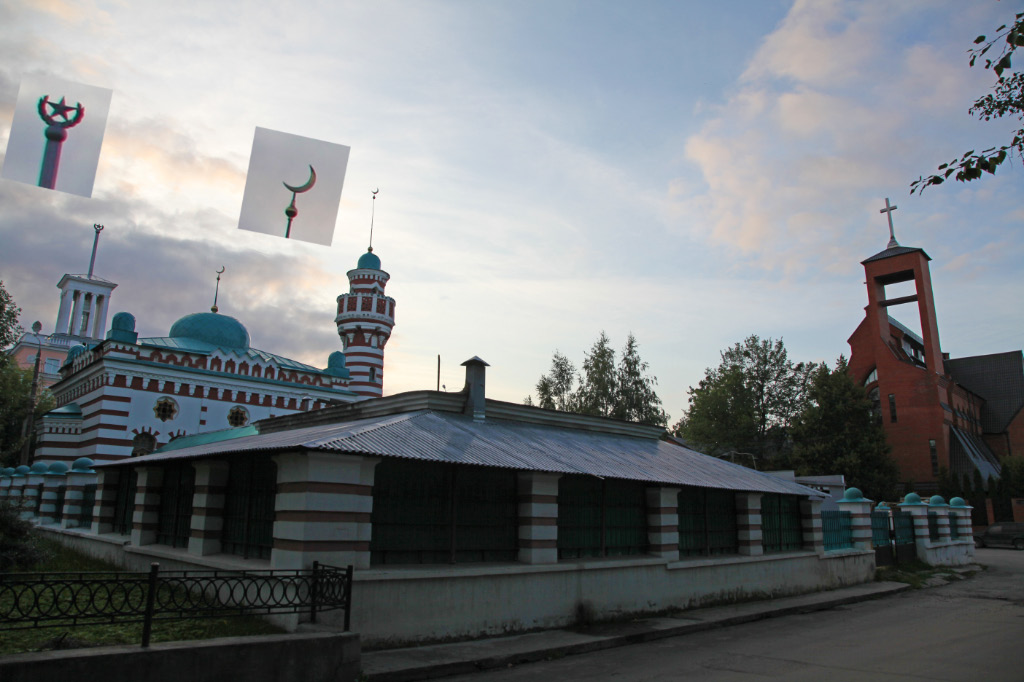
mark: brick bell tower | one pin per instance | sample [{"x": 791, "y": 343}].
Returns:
[{"x": 365, "y": 320}]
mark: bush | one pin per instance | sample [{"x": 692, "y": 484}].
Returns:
[{"x": 19, "y": 547}]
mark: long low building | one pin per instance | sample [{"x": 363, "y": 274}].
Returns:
[{"x": 466, "y": 516}]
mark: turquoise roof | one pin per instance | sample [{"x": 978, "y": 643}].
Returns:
[
  {"x": 70, "y": 410},
  {"x": 223, "y": 331},
  {"x": 368, "y": 261},
  {"x": 209, "y": 437}
]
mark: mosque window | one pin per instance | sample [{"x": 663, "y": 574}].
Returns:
[
  {"x": 124, "y": 501},
  {"x": 707, "y": 522},
  {"x": 781, "y": 526},
  {"x": 238, "y": 416},
  {"x": 174, "y": 519},
  {"x": 431, "y": 513},
  {"x": 601, "y": 517},
  {"x": 248, "y": 529},
  {"x": 165, "y": 409},
  {"x": 143, "y": 444},
  {"x": 373, "y": 375}
]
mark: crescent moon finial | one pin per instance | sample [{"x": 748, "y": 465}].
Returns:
[
  {"x": 304, "y": 187},
  {"x": 221, "y": 271}
]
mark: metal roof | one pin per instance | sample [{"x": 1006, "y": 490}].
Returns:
[
  {"x": 893, "y": 251},
  {"x": 968, "y": 453},
  {"x": 202, "y": 347},
  {"x": 438, "y": 436}
]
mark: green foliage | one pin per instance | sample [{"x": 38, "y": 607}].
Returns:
[
  {"x": 19, "y": 548},
  {"x": 1007, "y": 99},
  {"x": 604, "y": 389},
  {"x": 747, "y": 404},
  {"x": 15, "y": 402},
  {"x": 837, "y": 433},
  {"x": 10, "y": 330}
]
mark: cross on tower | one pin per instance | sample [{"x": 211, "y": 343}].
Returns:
[{"x": 888, "y": 211}]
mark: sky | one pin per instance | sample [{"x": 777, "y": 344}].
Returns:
[{"x": 690, "y": 172}]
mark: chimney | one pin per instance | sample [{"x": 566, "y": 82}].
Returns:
[{"x": 476, "y": 374}]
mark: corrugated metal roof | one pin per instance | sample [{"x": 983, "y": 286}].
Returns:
[
  {"x": 429, "y": 435},
  {"x": 968, "y": 452},
  {"x": 199, "y": 346}
]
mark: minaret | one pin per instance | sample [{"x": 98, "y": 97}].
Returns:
[
  {"x": 84, "y": 300},
  {"x": 365, "y": 319}
]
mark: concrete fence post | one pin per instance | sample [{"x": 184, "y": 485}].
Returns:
[
  {"x": 748, "y": 524},
  {"x": 860, "y": 517},
  {"x": 538, "y": 517},
  {"x": 663, "y": 522}
]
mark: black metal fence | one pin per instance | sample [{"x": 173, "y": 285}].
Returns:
[{"x": 36, "y": 600}]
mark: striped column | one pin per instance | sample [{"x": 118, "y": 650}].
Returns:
[
  {"x": 322, "y": 510},
  {"x": 748, "y": 524},
  {"x": 663, "y": 522},
  {"x": 54, "y": 479},
  {"x": 106, "y": 499},
  {"x": 6, "y": 478},
  {"x": 74, "y": 515},
  {"x": 208, "y": 506},
  {"x": 33, "y": 490},
  {"x": 16, "y": 493},
  {"x": 939, "y": 507},
  {"x": 147, "y": 505},
  {"x": 538, "y": 518},
  {"x": 913, "y": 505},
  {"x": 962, "y": 516},
  {"x": 860, "y": 519},
  {"x": 810, "y": 522}
]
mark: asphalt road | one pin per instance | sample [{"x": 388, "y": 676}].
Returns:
[{"x": 972, "y": 630}]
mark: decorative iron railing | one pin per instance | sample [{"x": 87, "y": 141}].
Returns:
[
  {"x": 35, "y": 600},
  {"x": 837, "y": 527},
  {"x": 933, "y": 526},
  {"x": 880, "y": 532}
]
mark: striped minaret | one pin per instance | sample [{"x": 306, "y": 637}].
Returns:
[{"x": 365, "y": 319}]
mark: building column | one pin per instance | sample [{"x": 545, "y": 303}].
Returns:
[
  {"x": 147, "y": 505},
  {"x": 810, "y": 523},
  {"x": 748, "y": 524},
  {"x": 54, "y": 479},
  {"x": 31, "y": 493},
  {"x": 663, "y": 522},
  {"x": 538, "y": 517},
  {"x": 100, "y": 322},
  {"x": 80, "y": 478},
  {"x": 106, "y": 499},
  {"x": 322, "y": 510},
  {"x": 208, "y": 506},
  {"x": 960, "y": 517},
  {"x": 938, "y": 506},
  {"x": 64, "y": 312},
  {"x": 913, "y": 505},
  {"x": 860, "y": 517}
]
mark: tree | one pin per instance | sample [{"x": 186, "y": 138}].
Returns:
[
  {"x": 838, "y": 433},
  {"x": 602, "y": 389},
  {"x": 636, "y": 400},
  {"x": 1006, "y": 99},
  {"x": 10, "y": 330},
  {"x": 748, "y": 402}
]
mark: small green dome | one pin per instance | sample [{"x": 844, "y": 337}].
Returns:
[
  {"x": 912, "y": 498},
  {"x": 22, "y": 471},
  {"x": 74, "y": 353},
  {"x": 853, "y": 495},
  {"x": 39, "y": 468},
  {"x": 368, "y": 261},
  {"x": 882, "y": 506},
  {"x": 57, "y": 469},
  {"x": 82, "y": 464},
  {"x": 937, "y": 501},
  {"x": 217, "y": 330},
  {"x": 957, "y": 502},
  {"x": 123, "y": 322},
  {"x": 7, "y": 473},
  {"x": 336, "y": 360}
]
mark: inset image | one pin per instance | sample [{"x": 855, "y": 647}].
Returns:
[
  {"x": 56, "y": 134},
  {"x": 293, "y": 187}
]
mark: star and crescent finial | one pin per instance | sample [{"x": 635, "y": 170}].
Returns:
[{"x": 291, "y": 211}]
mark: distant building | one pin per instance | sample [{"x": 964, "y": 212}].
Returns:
[{"x": 961, "y": 415}]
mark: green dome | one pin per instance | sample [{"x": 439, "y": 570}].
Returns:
[
  {"x": 912, "y": 498},
  {"x": 57, "y": 469},
  {"x": 937, "y": 501},
  {"x": 123, "y": 322},
  {"x": 217, "y": 330},
  {"x": 39, "y": 468},
  {"x": 368, "y": 261},
  {"x": 22, "y": 471},
  {"x": 75, "y": 352},
  {"x": 82, "y": 464},
  {"x": 957, "y": 502}
]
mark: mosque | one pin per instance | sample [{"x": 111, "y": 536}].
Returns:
[{"x": 122, "y": 395}]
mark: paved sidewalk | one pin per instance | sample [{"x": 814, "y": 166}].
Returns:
[{"x": 440, "y": 660}]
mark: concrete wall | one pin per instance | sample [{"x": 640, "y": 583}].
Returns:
[
  {"x": 398, "y": 606},
  {"x": 312, "y": 657}
]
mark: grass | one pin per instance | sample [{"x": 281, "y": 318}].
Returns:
[{"x": 58, "y": 558}]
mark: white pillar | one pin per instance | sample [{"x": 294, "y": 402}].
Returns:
[{"x": 64, "y": 313}]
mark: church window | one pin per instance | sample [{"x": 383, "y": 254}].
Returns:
[
  {"x": 431, "y": 513},
  {"x": 124, "y": 500},
  {"x": 707, "y": 522},
  {"x": 781, "y": 526},
  {"x": 876, "y": 403},
  {"x": 165, "y": 409},
  {"x": 872, "y": 377},
  {"x": 601, "y": 517},
  {"x": 892, "y": 408},
  {"x": 935, "y": 457},
  {"x": 174, "y": 519},
  {"x": 143, "y": 444},
  {"x": 248, "y": 529},
  {"x": 238, "y": 416}
]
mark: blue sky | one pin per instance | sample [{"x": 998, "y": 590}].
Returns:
[{"x": 692, "y": 172}]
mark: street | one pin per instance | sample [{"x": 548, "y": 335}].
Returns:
[{"x": 968, "y": 630}]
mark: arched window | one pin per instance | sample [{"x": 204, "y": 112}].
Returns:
[{"x": 143, "y": 444}]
